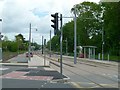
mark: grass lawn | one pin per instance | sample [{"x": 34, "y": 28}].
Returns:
[
  {"x": 111, "y": 57},
  {"x": 0, "y": 44},
  {"x": 7, "y": 55}
]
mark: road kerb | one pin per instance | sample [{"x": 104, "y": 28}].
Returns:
[
  {"x": 16, "y": 64},
  {"x": 88, "y": 60},
  {"x": 61, "y": 80}
]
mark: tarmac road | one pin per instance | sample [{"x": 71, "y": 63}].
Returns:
[
  {"x": 89, "y": 75},
  {"x": 21, "y": 76}
]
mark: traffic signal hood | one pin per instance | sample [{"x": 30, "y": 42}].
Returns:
[{"x": 55, "y": 21}]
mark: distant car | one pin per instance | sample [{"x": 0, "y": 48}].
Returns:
[{"x": 31, "y": 54}]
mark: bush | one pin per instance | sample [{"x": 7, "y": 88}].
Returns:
[{"x": 13, "y": 47}]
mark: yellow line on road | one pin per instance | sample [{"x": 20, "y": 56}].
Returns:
[
  {"x": 110, "y": 85},
  {"x": 76, "y": 85}
]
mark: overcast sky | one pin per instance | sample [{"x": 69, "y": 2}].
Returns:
[{"x": 17, "y": 14}]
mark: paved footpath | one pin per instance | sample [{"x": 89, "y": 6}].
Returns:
[
  {"x": 38, "y": 61},
  {"x": 55, "y": 57},
  {"x": 30, "y": 77}
]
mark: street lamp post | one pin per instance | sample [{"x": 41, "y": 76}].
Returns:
[
  {"x": 0, "y": 32},
  {"x": 50, "y": 43},
  {"x": 29, "y": 49},
  {"x": 102, "y": 44},
  {"x": 66, "y": 46},
  {"x": 42, "y": 44},
  {"x": 44, "y": 52},
  {"x": 75, "y": 36},
  {"x": 61, "y": 36}
]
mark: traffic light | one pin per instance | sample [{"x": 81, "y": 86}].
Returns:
[{"x": 55, "y": 21}]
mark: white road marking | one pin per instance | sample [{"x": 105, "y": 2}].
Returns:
[
  {"x": 4, "y": 68},
  {"x": 49, "y": 69},
  {"x": 103, "y": 74},
  {"x": 32, "y": 67},
  {"x": 41, "y": 85},
  {"x": 111, "y": 76},
  {"x": 116, "y": 76},
  {"x": 76, "y": 85}
]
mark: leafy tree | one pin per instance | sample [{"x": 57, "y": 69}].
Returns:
[
  {"x": 111, "y": 27},
  {"x": 89, "y": 16},
  {"x": 20, "y": 41},
  {"x": 5, "y": 38},
  {"x": 92, "y": 20},
  {"x": 68, "y": 32},
  {"x": 13, "y": 46},
  {"x": 55, "y": 43},
  {"x": 89, "y": 25}
]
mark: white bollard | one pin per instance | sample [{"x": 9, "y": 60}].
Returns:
[
  {"x": 108, "y": 57},
  {"x": 98, "y": 56}
]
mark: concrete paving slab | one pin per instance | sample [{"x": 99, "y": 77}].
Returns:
[{"x": 38, "y": 61}]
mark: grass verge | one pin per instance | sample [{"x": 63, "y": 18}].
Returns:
[{"x": 6, "y": 55}]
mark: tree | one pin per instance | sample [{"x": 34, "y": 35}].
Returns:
[
  {"x": 111, "y": 27},
  {"x": 92, "y": 20},
  {"x": 89, "y": 24},
  {"x": 20, "y": 40},
  {"x": 89, "y": 16},
  {"x": 5, "y": 38},
  {"x": 20, "y": 36}
]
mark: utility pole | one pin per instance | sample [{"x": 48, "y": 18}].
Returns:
[
  {"x": 50, "y": 43},
  {"x": 0, "y": 32},
  {"x": 61, "y": 44},
  {"x": 102, "y": 44},
  {"x": 75, "y": 37},
  {"x": 44, "y": 52},
  {"x": 66, "y": 46},
  {"x": 32, "y": 40},
  {"x": 29, "y": 49},
  {"x": 42, "y": 44}
]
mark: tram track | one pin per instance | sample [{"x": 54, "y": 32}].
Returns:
[{"x": 87, "y": 72}]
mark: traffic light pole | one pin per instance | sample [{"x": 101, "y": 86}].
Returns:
[
  {"x": 50, "y": 43},
  {"x": 55, "y": 26},
  {"x": 29, "y": 49},
  {"x": 61, "y": 44},
  {"x": 42, "y": 44}
]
